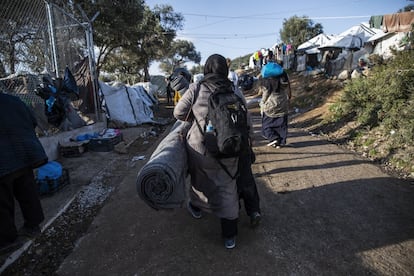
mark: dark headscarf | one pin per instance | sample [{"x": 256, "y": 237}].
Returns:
[
  {"x": 216, "y": 64},
  {"x": 216, "y": 71}
]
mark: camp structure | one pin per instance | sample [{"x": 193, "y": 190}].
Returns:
[
  {"x": 394, "y": 32},
  {"x": 127, "y": 105},
  {"x": 308, "y": 54},
  {"x": 311, "y": 46},
  {"x": 382, "y": 43},
  {"x": 351, "y": 39},
  {"x": 346, "y": 49}
]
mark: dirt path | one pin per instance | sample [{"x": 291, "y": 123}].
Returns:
[{"x": 326, "y": 212}]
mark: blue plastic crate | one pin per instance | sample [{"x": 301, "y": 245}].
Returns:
[{"x": 49, "y": 186}]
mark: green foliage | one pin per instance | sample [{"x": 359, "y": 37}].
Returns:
[
  {"x": 157, "y": 31},
  {"x": 198, "y": 69},
  {"x": 385, "y": 98},
  {"x": 131, "y": 27},
  {"x": 336, "y": 111},
  {"x": 240, "y": 62},
  {"x": 18, "y": 32},
  {"x": 297, "y": 30},
  {"x": 115, "y": 26},
  {"x": 178, "y": 53}
]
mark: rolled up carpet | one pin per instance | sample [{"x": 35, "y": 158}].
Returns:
[{"x": 161, "y": 182}]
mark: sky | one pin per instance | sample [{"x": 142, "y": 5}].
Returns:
[{"x": 235, "y": 28}]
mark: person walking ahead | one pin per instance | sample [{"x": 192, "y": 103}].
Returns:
[
  {"x": 21, "y": 152},
  {"x": 213, "y": 190},
  {"x": 274, "y": 105}
]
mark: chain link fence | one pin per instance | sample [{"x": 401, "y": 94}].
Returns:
[{"x": 41, "y": 39}]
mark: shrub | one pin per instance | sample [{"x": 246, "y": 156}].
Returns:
[{"x": 385, "y": 98}]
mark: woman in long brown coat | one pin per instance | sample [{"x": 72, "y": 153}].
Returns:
[{"x": 213, "y": 190}]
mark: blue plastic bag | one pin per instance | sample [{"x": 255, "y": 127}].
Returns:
[
  {"x": 271, "y": 69},
  {"x": 51, "y": 170},
  {"x": 69, "y": 84}
]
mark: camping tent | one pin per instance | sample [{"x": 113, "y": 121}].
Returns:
[
  {"x": 311, "y": 46},
  {"x": 127, "y": 105},
  {"x": 307, "y": 52},
  {"x": 349, "y": 45},
  {"x": 353, "y": 38}
]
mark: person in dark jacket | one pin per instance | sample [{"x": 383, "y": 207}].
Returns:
[
  {"x": 21, "y": 152},
  {"x": 170, "y": 91}
]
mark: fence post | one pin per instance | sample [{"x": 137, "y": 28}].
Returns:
[
  {"x": 52, "y": 39},
  {"x": 92, "y": 66}
]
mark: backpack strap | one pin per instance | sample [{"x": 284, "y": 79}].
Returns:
[{"x": 195, "y": 95}]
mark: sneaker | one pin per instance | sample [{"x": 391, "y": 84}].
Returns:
[
  {"x": 29, "y": 231},
  {"x": 272, "y": 144},
  {"x": 194, "y": 211},
  {"x": 255, "y": 219},
  {"x": 230, "y": 243}
]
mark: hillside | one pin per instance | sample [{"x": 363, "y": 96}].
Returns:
[{"x": 313, "y": 98}]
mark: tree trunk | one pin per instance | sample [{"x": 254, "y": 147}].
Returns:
[
  {"x": 12, "y": 59},
  {"x": 146, "y": 74},
  {"x": 2, "y": 70}
]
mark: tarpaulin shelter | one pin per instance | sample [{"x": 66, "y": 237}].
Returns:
[
  {"x": 383, "y": 42},
  {"x": 311, "y": 46},
  {"x": 349, "y": 46},
  {"x": 352, "y": 39},
  {"x": 127, "y": 105},
  {"x": 393, "y": 33},
  {"x": 307, "y": 52}
]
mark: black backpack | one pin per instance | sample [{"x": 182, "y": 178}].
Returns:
[
  {"x": 226, "y": 131},
  {"x": 246, "y": 82}
]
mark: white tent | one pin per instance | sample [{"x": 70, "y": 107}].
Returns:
[
  {"x": 383, "y": 42},
  {"x": 353, "y": 38},
  {"x": 308, "y": 52},
  {"x": 311, "y": 46},
  {"x": 127, "y": 105}
]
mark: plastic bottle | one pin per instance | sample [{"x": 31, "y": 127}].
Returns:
[{"x": 209, "y": 127}]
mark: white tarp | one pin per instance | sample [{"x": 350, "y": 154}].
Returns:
[
  {"x": 311, "y": 46},
  {"x": 385, "y": 41},
  {"x": 198, "y": 77},
  {"x": 149, "y": 89},
  {"x": 353, "y": 38},
  {"x": 301, "y": 62},
  {"x": 129, "y": 105}
]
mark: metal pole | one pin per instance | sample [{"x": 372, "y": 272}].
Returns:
[
  {"x": 91, "y": 53},
  {"x": 92, "y": 67},
  {"x": 52, "y": 39}
]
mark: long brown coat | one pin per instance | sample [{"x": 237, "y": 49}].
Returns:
[{"x": 213, "y": 189}]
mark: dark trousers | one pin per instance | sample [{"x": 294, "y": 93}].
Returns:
[
  {"x": 275, "y": 128},
  {"x": 228, "y": 227},
  {"x": 246, "y": 185},
  {"x": 21, "y": 186},
  {"x": 169, "y": 94}
]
